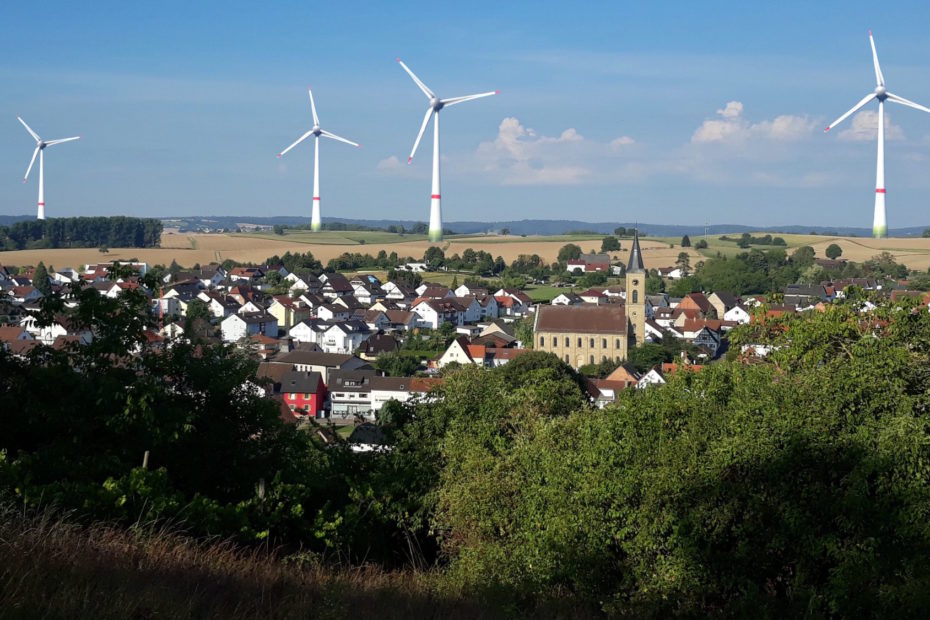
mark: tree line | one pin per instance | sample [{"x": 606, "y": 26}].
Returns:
[{"x": 82, "y": 232}]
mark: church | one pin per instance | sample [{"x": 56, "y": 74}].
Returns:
[{"x": 589, "y": 334}]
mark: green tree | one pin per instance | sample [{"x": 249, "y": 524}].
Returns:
[
  {"x": 569, "y": 251},
  {"x": 803, "y": 257},
  {"x": 620, "y": 231},
  {"x": 683, "y": 262},
  {"x": 701, "y": 244},
  {"x": 686, "y": 241},
  {"x": 40, "y": 279},
  {"x": 434, "y": 256},
  {"x": 395, "y": 364},
  {"x": 278, "y": 229},
  {"x": 610, "y": 244},
  {"x": 833, "y": 251}
]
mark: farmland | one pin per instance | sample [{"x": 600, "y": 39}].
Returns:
[{"x": 190, "y": 248}]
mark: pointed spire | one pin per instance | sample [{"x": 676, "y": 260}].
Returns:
[{"x": 636, "y": 257}]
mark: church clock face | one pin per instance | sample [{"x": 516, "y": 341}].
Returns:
[{"x": 635, "y": 282}]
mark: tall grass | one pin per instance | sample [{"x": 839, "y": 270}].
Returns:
[{"x": 52, "y": 567}]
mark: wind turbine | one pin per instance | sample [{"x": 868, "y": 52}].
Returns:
[
  {"x": 316, "y": 132},
  {"x": 879, "y": 226},
  {"x": 41, "y": 145},
  {"x": 435, "y": 105}
]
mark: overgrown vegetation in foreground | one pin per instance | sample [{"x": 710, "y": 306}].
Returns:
[
  {"x": 796, "y": 485},
  {"x": 51, "y": 567}
]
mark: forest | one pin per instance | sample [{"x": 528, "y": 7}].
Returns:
[
  {"x": 794, "y": 485},
  {"x": 82, "y": 232}
]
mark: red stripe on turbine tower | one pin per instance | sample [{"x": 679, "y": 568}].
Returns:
[
  {"x": 879, "y": 190},
  {"x": 434, "y": 196},
  {"x": 316, "y": 197},
  {"x": 41, "y": 204}
]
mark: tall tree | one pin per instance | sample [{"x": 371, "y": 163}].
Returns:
[
  {"x": 686, "y": 241},
  {"x": 40, "y": 279}
]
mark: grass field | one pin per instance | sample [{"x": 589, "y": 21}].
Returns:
[{"x": 188, "y": 249}]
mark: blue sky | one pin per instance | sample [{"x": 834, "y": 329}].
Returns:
[{"x": 608, "y": 111}]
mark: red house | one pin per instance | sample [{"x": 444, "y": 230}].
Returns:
[{"x": 304, "y": 392}]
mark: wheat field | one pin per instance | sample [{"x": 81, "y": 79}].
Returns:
[{"x": 191, "y": 248}]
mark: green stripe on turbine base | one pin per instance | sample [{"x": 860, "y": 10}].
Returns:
[
  {"x": 880, "y": 232},
  {"x": 316, "y": 226},
  {"x": 435, "y": 235}
]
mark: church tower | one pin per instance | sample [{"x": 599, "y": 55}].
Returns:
[{"x": 636, "y": 295}]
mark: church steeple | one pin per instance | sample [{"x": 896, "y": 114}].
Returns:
[
  {"x": 636, "y": 258},
  {"x": 636, "y": 295}
]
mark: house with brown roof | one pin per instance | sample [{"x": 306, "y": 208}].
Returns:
[{"x": 581, "y": 335}]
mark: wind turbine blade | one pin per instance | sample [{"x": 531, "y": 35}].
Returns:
[
  {"x": 31, "y": 161},
  {"x": 29, "y": 129},
  {"x": 454, "y": 100},
  {"x": 429, "y": 113},
  {"x": 855, "y": 108},
  {"x": 298, "y": 141},
  {"x": 54, "y": 142},
  {"x": 316, "y": 120},
  {"x": 879, "y": 78},
  {"x": 340, "y": 139},
  {"x": 907, "y": 102},
  {"x": 423, "y": 87}
]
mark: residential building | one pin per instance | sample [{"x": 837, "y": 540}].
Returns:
[
  {"x": 235, "y": 327},
  {"x": 304, "y": 392}
]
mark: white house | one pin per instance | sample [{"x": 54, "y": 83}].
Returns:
[
  {"x": 332, "y": 312},
  {"x": 653, "y": 377},
  {"x": 458, "y": 353},
  {"x": 305, "y": 331},
  {"x": 344, "y": 337},
  {"x": 235, "y": 327},
  {"x": 566, "y": 299},
  {"x": 738, "y": 313}
]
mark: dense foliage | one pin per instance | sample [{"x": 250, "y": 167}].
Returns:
[
  {"x": 82, "y": 232},
  {"x": 798, "y": 484}
]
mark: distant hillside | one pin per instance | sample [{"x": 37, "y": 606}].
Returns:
[
  {"x": 541, "y": 227},
  {"x": 517, "y": 227}
]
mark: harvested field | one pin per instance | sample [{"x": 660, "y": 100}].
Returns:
[{"x": 190, "y": 248}]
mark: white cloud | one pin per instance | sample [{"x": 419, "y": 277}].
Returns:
[
  {"x": 618, "y": 143},
  {"x": 522, "y": 157},
  {"x": 864, "y": 126},
  {"x": 733, "y": 127},
  {"x": 731, "y": 110},
  {"x": 389, "y": 164}
]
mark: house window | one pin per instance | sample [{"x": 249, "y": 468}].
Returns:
[
  {"x": 603, "y": 358},
  {"x": 591, "y": 360},
  {"x": 566, "y": 342},
  {"x": 603, "y": 343},
  {"x": 306, "y": 397},
  {"x": 566, "y": 358},
  {"x": 591, "y": 343},
  {"x": 292, "y": 396},
  {"x": 617, "y": 345},
  {"x": 542, "y": 341},
  {"x": 579, "y": 342},
  {"x": 635, "y": 297}
]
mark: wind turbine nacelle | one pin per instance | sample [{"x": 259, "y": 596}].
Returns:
[
  {"x": 435, "y": 103},
  {"x": 881, "y": 93},
  {"x": 316, "y": 130}
]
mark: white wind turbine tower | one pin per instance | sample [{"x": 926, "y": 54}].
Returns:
[
  {"x": 879, "y": 226},
  {"x": 316, "y": 132},
  {"x": 435, "y": 105},
  {"x": 41, "y": 145}
]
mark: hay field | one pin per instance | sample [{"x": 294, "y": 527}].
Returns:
[
  {"x": 911, "y": 251},
  {"x": 190, "y": 248}
]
